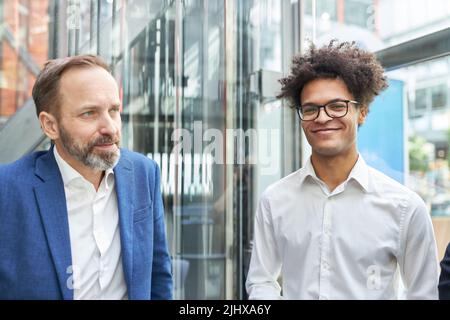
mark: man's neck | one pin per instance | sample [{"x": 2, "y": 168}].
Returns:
[
  {"x": 93, "y": 176},
  {"x": 333, "y": 170}
]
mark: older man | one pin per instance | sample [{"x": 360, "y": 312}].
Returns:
[{"x": 83, "y": 220}]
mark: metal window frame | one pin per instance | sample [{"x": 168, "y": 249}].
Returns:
[{"x": 432, "y": 46}]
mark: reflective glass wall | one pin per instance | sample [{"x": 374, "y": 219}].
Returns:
[
  {"x": 24, "y": 34},
  {"x": 374, "y": 24}
]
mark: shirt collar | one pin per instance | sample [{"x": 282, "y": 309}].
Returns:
[
  {"x": 308, "y": 171},
  {"x": 359, "y": 173},
  {"x": 69, "y": 174}
]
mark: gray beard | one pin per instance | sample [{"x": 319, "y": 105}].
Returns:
[
  {"x": 97, "y": 162},
  {"x": 86, "y": 155}
]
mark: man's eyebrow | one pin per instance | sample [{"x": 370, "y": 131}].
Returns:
[
  {"x": 90, "y": 106},
  {"x": 97, "y": 107}
]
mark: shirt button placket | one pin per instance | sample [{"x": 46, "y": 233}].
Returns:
[{"x": 324, "y": 282}]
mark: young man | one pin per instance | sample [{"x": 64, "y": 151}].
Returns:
[
  {"x": 337, "y": 228},
  {"x": 85, "y": 219}
]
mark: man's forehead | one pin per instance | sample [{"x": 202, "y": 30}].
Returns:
[
  {"x": 82, "y": 71},
  {"x": 84, "y": 80},
  {"x": 325, "y": 89}
]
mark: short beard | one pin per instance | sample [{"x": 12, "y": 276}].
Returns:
[{"x": 86, "y": 155}]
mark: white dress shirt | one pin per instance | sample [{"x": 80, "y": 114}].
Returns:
[
  {"x": 94, "y": 235},
  {"x": 351, "y": 243}
]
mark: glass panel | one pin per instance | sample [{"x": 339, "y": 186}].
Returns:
[
  {"x": 87, "y": 22},
  {"x": 258, "y": 157},
  {"x": 359, "y": 13},
  {"x": 428, "y": 84},
  {"x": 325, "y": 9},
  {"x": 419, "y": 102},
  {"x": 23, "y": 48},
  {"x": 203, "y": 183},
  {"x": 374, "y": 24},
  {"x": 439, "y": 96}
]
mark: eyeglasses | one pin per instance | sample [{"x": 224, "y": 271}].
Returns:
[{"x": 333, "y": 109}]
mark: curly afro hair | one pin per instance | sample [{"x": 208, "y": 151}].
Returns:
[{"x": 359, "y": 69}]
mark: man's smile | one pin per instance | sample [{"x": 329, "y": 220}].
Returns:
[{"x": 324, "y": 130}]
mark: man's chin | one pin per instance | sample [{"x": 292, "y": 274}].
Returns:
[
  {"x": 104, "y": 160},
  {"x": 327, "y": 151}
]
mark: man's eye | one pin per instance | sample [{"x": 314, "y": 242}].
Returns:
[
  {"x": 337, "y": 106},
  {"x": 87, "y": 114},
  {"x": 309, "y": 109}
]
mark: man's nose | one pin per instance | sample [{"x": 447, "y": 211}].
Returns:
[
  {"x": 108, "y": 125},
  {"x": 323, "y": 116}
]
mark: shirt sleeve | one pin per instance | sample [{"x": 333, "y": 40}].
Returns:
[
  {"x": 419, "y": 261},
  {"x": 265, "y": 263}
]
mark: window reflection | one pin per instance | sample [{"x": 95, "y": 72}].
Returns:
[
  {"x": 374, "y": 24},
  {"x": 23, "y": 49},
  {"x": 428, "y": 139}
]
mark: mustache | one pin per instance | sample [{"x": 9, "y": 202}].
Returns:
[{"x": 104, "y": 139}]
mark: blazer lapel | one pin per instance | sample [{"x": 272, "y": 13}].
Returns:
[
  {"x": 51, "y": 200},
  {"x": 124, "y": 178}
]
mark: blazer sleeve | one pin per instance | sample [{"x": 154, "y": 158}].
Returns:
[
  {"x": 444, "y": 279},
  {"x": 161, "y": 270}
]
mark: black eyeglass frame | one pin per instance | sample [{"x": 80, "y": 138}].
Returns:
[{"x": 298, "y": 108}]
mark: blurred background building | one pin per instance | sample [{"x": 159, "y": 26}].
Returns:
[{"x": 198, "y": 80}]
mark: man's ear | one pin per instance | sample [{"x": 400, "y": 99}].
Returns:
[
  {"x": 363, "y": 111},
  {"x": 49, "y": 125}
]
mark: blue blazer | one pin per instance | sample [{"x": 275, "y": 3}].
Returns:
[
  {"x": 444, "y": 279},
  {"x": 35, "y": 253}
]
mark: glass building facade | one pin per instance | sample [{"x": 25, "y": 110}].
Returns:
[{"x": 198, "y": 81}]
